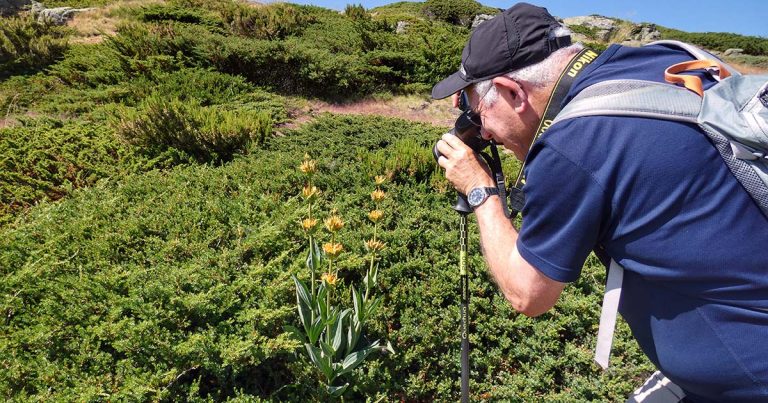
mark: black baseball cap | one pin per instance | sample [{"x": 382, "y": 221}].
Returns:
[{"x": 517, "y": 37}]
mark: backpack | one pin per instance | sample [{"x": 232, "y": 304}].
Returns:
[{"x": 733, "y": 113}]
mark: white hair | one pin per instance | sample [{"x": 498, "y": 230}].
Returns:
[{"x": 538, "y": 75}]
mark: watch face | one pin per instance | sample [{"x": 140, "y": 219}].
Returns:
[{"x": 476, "y": 197}]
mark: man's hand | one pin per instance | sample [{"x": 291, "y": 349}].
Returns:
[{"x": 463, "y": 168}]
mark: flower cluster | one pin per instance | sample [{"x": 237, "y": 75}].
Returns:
[
  {"x": 322, "y": 319},
  {"x": 377, "y": 196}
]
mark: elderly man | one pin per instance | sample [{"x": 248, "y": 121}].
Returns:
[{"x": 654, "y": 195}]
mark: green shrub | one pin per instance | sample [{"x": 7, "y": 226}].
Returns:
[
  {"x": 334, "y": 57},
  {"x": 760, "y": 62},
  {"x": 26, "y": 45},
  {"x": 457, "y": 12},
  {"x": 171, "y": 12},
  {"x": 47, "y": 160},
  {"x": 191, "y": 84},
  {"x": 589, "y": 32},
  {"x": 78, "y": 3},
  {"x": 399, "y": 11},
  {"x": 90, "y": 66},
  {"x": 719, "y": 41},
  {"x": 271, "y": 22},
  {"x": 207, "y": 134},
  {"x": 356, "y": 12}
]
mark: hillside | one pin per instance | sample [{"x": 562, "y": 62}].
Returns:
[{"x": 154, "y": 209}]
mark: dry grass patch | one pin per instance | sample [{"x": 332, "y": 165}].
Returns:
[{"x": 91, "y": 26}]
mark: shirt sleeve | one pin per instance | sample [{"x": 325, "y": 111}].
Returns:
[{"x": 563, "y": 214}]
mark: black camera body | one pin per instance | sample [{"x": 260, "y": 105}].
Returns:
[{"x": 467, "y": 129}]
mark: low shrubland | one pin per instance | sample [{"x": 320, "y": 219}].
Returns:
[
  {"x": 48, "y": 159},
  {"x": 26, "y": 45},
  {"x": 176, "y": 285},
  {"x": 151, "y": 213},
  {"x": 719, "y": 41}
]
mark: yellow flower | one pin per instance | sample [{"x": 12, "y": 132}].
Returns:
[
  {"x": 329, "y": 278},
  {"x": 375, "y": 215},
  {"x": 310, "y": 192},
  {"x": 308, "y": 166},
  {"x": 333, "y": 249},
  {"x": 380, "y": 179},
  {"x": 373, "y": 245},
  {"x": 378, "y": 195},
  {"x": 308, "y": 224},
  {"x": 334, "y": 223}
]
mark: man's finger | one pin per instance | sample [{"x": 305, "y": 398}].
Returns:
[
  {"x": 453, "y": 141},
  {"x": 442, "y": 162},
  {"x": 444, "y": 148}
]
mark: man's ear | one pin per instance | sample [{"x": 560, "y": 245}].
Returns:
[{"x": 516, "y": 94}]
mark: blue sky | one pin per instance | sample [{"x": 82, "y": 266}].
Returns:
[{"x": 746, "y": 17}]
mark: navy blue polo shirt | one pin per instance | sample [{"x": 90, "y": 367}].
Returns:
[{"x": 658, "y": 196}]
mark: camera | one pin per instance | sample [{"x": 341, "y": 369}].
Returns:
[{"x": 466, "y": 128}]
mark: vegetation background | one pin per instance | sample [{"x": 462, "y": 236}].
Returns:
[{"x": 151, "y": 204}]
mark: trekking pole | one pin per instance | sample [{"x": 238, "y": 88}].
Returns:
[
  {"x": 464, "y": 279},
  {"x": 467, "y": 128}
]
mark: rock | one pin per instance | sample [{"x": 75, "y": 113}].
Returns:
[
  {"x": 645, "y": 33},
  {"x": 733, "y": 52},
  {"x": 56, "y": 16},
  {"x": 10, "y": 7},
  {"x": 481, "y": 18},
  {"x": 603, "y": 27},
  {"x": 402, "y": 26}
]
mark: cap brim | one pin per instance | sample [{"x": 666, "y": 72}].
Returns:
[{"x": 449, "y": 86}]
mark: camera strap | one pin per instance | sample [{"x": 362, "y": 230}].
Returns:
[
  {"x": 494, "y": 162},
  {"x": 554, "y": 105}
]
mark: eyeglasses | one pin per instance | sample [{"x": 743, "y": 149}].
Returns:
[{"x": 465, "y": 107}]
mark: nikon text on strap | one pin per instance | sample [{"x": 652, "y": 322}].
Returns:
[{"x": 577, "y": 64}]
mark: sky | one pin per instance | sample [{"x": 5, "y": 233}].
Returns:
[{"x": 745, "y": 17}]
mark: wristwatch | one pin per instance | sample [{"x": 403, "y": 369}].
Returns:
[{"x": 478, "y": 196}]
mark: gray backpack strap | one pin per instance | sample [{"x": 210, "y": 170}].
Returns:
[
  {"x": 608, "y": 314},
  {"x": 695, "y": 52},
  {"x": 734, "y": 115},
  {"x": 634, "y": 98}
]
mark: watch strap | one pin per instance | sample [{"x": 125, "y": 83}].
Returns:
[{"x": 487, "y": 192}]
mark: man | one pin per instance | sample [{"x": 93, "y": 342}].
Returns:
[{"x": 655, "y": 195}]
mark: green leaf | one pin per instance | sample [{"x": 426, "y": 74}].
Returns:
[
  {"x": 295, "y": 333},
  {"x": 389, "y": 348},
  {"x": 359, "y": 305},
  {"x": 353, "y": 335},
  {"x": 328, "y": 349},
  {"x": 338, "y": 331},
  {"x": 303, "y": 303},
  {"x": 323, "y": 363},
  {"x": 314, "y": 256},
  {"x": 320, "y": 303},
  {"x": 372, "y": 307},
  {"x": 356, "y": 358},
  {"x": 316, "y": 330},
  {"x": 336, "y": 391},
  {"x": 374, "y": 277}
]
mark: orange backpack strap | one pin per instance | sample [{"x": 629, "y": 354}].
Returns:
[{"x": 693, "y": 83}]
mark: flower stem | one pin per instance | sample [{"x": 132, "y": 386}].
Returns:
[{"x": 328, "y": 324}]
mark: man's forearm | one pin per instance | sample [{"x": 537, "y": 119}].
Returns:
[{"x": 529, "y": 291}]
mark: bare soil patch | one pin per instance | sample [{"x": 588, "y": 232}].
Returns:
[{"x": 414, "y": 108}]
